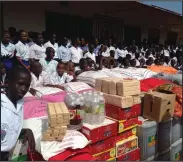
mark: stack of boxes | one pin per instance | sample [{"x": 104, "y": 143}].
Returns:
[
  {"x": 167, "y": 144},
  {"x": 123, "y": 105},
  {"x": 58, "y": 119}
]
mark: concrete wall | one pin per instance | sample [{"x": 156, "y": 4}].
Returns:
[{"x": 31, "y": 15}]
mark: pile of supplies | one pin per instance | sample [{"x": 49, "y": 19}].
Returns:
[{"x": 120, "y": 123}]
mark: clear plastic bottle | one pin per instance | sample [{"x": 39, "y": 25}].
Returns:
[
  {"x": 87, "y": 107},
  {"x": 101, "y": 108},
  {"x": 95, "y": 109}
]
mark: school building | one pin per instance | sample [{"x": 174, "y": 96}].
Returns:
[{"x": 121, "y": 20}]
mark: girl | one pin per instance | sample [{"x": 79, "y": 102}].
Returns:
[
  {"x": 37, "y": 50},
  {"x": 48, "y": 64},
  {"x": 70, "y": 68},
  {"x": 59, "y": 77},
  {"x": 83, "y": 64},
  {"x": 22, "y": 48},
  {"x": 52, "y": 43},
  {"x": 7, "y": 50}
]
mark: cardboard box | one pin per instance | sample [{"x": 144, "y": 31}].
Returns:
[
  {"x": 128, "y": 87},
  {"x": 103, "y": 145},
  {"x": 131, "y": 156},
  {"x": 127, "y": 145},
  {"x": 97, "y": 133},
  {"x": 123, "y": 114},
  {"x": 136, "y": 99},
  {"x": 123, "y": 102},
  {"x": 126, "y": 134},
  {"x": 105, "y": 85},
  {"x": 98, "y": 84},
  {"x": 104, "y": 156},
  {"x": 124, "y": 125},
  {"x": 158, "y": 106},
  {"x": 113, "y": 86}
]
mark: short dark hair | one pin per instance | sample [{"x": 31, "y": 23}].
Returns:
[{"x": 13, "y": 73}]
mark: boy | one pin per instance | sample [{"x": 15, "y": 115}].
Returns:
[
  {"x": 19, "y": 80},
  {"x": 59, "y": 77},
  {"x": 48, "y": 64},
  {"x": 38, "y": 77},
  {"x": 90, "y": 53}
]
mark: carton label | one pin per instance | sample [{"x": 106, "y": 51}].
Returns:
[
  {"x": 112, "y": 153},
  {"x": 151, "y": 140},
  {"x": 177, "y": 156}
]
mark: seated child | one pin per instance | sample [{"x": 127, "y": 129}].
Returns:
[
  {"x": 157, "y": 61},
  {"x": 38, "y": 77},
  {"x": 70, "y": 68},
  {"x": 104, "y": 63},
  {"x": 91, "y": 64},
  {"x": 126, "y": 63},
  {"x": 49, "y": 64},
  {"x": 83, "y": 64},
  {"x": 113, "y": 62},
  {"x": 128, "y": 56},
  {"x": 90, "y": 53},
  {"x": 133, "y": 63},
  {"x": 58, "y": 78},
  {"x": 19, "y": 80},
  {"x": 142, "y": 62}
]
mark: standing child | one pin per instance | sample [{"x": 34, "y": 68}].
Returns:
[
  {"x": 58, "y": 78},
  {"x": 19, "y": 80},
  {"x": 48, "y": 64}
]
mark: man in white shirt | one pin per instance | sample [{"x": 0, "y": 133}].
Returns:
[
  {"x": 52, "y": 43},
  {"x": 7, "y": 50},
  {"x": 120, "y": 52},
  {"x": 48, "y": 64},
  {"x": 76, "y": 52},
  {"x": 19, "y": 80},
  {"x": 63, "y": 51}
]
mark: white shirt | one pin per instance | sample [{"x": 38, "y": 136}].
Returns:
[
  {"x": 55, "y": 47},
  {"x": 11, "y": 122},
  {"x": 22, "y": 51},
  {"x": 7, "y": 50},
  {"x": 37, "y": 52},
  {"x": 55, "y": 79},
  {"x": 35, "y": 82},
  {"x": 50, "y": 67},
  {"x": 76, "y": 54},
  {"x": 89, "y": 55},
  {"x": 64, "y": 54},
  {"x": 120, "y": 53},
  {"x": 166, "y": 52},
  {"x": 111, "y": 48}
]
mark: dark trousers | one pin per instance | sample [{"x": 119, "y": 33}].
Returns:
[{"x": 4, "y": 156}]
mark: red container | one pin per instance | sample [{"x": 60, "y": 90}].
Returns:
[
  {"x": 123, "y": 114},
  {"x": 130, "y": 156},
  {"x": 97, "y": 133},
  {"x": 103, "y": 145},
  {"x": 126, "y": 134},
  {"x": 105, "y": 155}
]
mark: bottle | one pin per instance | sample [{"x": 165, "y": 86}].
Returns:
[
  {"x": 95, "y": 109},
  {"x": 101, "y": 108},
  {"x": 87, "y": 107}
]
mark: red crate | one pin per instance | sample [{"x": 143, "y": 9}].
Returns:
[
  {"x": 130, "y": 156},
  {"x": 122, "y": 114}
]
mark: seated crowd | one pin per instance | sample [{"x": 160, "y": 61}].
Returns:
[{"x": 52, "y": 63}]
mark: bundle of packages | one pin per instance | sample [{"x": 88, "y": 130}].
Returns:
[
  {"x": 123, "y": 105},
  {"x": 58, "y": 119}
]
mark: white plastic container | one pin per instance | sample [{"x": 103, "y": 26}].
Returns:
[
  {"x": 164, "y": 135},
  {"x": 176, "y": 130},
  {"x": 148, "y": 134},
  {"x": 176, "y": 151}
]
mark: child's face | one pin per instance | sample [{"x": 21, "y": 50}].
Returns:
[
  {"x": 3, "y": 70},
  {"x": 6, "y": 38},
  {"x": 37, "y": 69},
  {"x": 60, "y": 69},
  {"x": 51, "y": 54},
  {"x": 112, "y": 53},
  {"x": 20, "y": 86},
  {"x": 24, "y": 36},
  {"x": 71, "y": 67}
]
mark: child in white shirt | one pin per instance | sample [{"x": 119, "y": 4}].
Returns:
[
  {"x": 58, "y": 78},
  {"x": 48, "y": 64},
  {"x": 38, "y": 77},
  {"x": 19, "y": 80},
  {"x": 90, "y": 53}
]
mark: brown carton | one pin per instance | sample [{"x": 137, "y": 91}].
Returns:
[
  {"x": 158, "y": 106},
  {"x": 136, "y": 99},
  {"x": 105, "y": 85},
  {"x": 98, "y": 84},
  {"x": 123, "y": 102},
  {"x": 128, "y": 87},
  {"x": 113, "y": 86}
]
